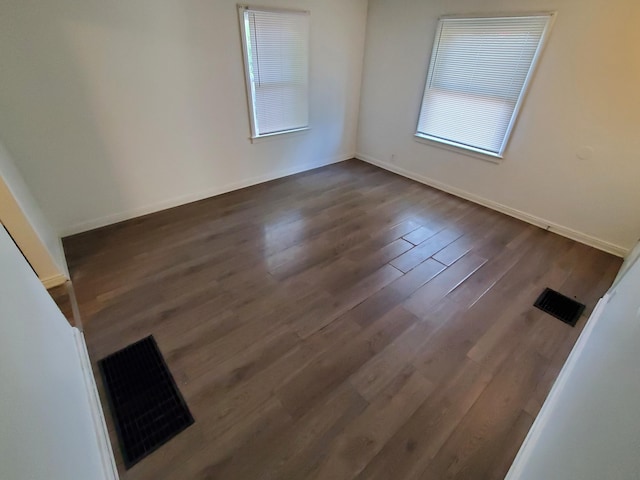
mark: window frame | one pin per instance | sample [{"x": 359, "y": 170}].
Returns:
[
  {"x": 468, "y": 149},
  {"x": 255, "y": 136}
]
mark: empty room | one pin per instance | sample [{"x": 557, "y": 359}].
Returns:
[{"x": 319, "y": 239}]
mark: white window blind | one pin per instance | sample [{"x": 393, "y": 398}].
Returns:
[
  {"x": 478, "y": 73},
  {"x": 276, "y": 49}
]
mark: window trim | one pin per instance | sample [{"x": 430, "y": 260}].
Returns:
[
  {"x": 458, "y": 148},
  {"x": 461, "y": 147},
  {"x": 294, "y": 132},
  {"x": 251, "y": 99}
]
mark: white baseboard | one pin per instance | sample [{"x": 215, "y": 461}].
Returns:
[
  {"x": 100, "y": 426},
  {"x": 194, "y": 197},
  {"x": 54, "y": 281},
  {"x": 527, "y": 217},
  {"x": 60, "y": 278}
]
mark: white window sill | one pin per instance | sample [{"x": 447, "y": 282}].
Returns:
[
  {"x": 457, "y": 148},
  {"x": 273, "y": 136}
]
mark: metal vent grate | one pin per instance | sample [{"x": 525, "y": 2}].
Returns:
[
  {"x": 560, "y": 306},
  {"x": 147, "y": 407}
]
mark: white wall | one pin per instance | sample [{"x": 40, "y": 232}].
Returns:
[
  {"x": 585, "y": 93},
  {"x": 24, "y": 220},
  {"x": 119, "y": 108},
  {"x": 47, "y": 424}
]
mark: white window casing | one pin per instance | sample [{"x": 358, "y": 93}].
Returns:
[
  {"x": 479, "y": 72},
  {"x": 276, "y": 57}
]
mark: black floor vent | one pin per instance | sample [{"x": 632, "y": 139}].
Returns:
[
  {"x": 147, "y": 407},
  {"x": 560, "y": 306}
]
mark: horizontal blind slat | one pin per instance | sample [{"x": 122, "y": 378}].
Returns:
[
  {"x": 476, "y": 78},
  {"x": 279, "y": 67}
]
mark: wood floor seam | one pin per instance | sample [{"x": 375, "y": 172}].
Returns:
[{"x": 343, "y": 323}]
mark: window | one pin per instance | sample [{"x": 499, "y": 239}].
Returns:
[
  {"x": 276, "y": 55},
  {"x": 478, "y": 74}
]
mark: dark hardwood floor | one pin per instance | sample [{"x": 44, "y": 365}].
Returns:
[
  {"x": 62, "y": 298},
  {"x": 342, "y": 323}
]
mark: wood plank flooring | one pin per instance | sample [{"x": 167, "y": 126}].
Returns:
[
  {"x": 343, "y": 323},
  {"x": 64, "y": 297}
]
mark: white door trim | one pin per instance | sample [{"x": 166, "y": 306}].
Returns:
[{"x": 99, "y": 423}]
